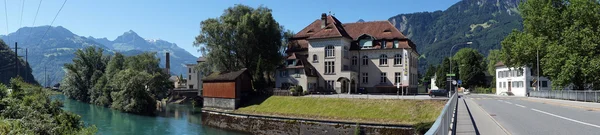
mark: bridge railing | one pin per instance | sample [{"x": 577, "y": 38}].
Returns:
[
  {"x": 442, "y": 125},
  {"x": 585, "y": 96}
]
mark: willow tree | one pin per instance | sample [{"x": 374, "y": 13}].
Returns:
[
  {"x": 239, "y": 38},
  {"x": 566, "y": 36}
]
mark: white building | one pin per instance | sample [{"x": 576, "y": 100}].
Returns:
[
  {"x": 330, "y": 56},
  {"x": 518, "y": 81},
  {"x": 194, "y": 80}
]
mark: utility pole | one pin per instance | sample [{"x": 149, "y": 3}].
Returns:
[
  {"x": 26, "y": 62},
  {"x": 45, "y": 78},
  {"x": 538, "y": 68},
  {"x": 16, "y": 60}
]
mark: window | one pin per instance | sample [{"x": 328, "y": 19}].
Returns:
[
  {"x": 544, "y": 84},
  {"x": 329, "y": 67},
  {"x": 297, "y": 73},
  {"x": 383, "y": 77},
  {"x": 519, "y": 73},
  {"x": 189, "y": 77},
  {"x": 194, "y": 70},
  {"x": 383, "y": 45},
  {"x": 365, "y": 78},
  {"x": 191, "y": 86},
  {"x": 345, "y": 52},
  {"x": 315, "y": 58},
  {"x": 531, "y": 84},
  {"x": 499, "y": 85},
  {"x": 329, "y": 51},
  {"x": 189, "y": 70},
  {"x": 365, "y": 60},
  {"x": 383, "y": 60},
  {"x": 366, "y": 43},
  {"x": 395, "y": 44},
  {"x": 330, "y": 84},
  {"x": 283, "y": 73},
  {"x": 311, "y": 86},
  {"x": 397, "y": 77},
  {"x": 354, "y": 60},
  {"x": 397, "y": 59}
]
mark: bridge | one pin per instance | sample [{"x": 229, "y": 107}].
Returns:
[{"x": 489, "y": 114}]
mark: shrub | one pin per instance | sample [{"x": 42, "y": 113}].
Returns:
[{"x": 421, "y": 128}]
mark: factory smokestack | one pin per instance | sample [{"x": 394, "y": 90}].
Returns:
[{"x": 168, "y": 63}]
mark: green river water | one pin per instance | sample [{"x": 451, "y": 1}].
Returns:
[{"x": 173, "y": 120}]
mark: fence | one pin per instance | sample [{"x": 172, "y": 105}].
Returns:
[
  {"x": 585, "y": 96},
  {"x": 444, "y": 121}
]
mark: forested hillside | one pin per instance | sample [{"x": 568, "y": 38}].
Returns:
[
  {"x": 483, "y": 22},
  {"x": 7, "y": 66}
]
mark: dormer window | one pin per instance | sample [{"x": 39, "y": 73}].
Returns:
[
  {"x": 395, "y": 43},
  {"x": 387, "y": 30},
  {"x": 315, "y": 58},
  {"x": 383, "y": 44},
  {"x": 366, "y": 42},
  {"x": 309, "y": 31}
]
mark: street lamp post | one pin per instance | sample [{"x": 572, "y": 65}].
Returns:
[{"x": 466, "y": 43}]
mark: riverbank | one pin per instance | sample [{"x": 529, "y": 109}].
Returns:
[
  {"x": 385, "y": 111},
  {"x": 172, "y": 119}
]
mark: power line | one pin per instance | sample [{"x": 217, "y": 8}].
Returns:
[
  {"x": 21, "y": 20},
  {"x": 34, "y": 18},
  {"x": 61, "y": 7},
  {"x": 6, "y": 15}
]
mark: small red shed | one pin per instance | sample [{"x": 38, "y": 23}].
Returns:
[{"x": 225, "y": 89}]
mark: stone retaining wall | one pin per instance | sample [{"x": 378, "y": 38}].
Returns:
[{"x": 268, "y": 125}]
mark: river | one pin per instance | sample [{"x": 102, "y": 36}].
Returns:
[{"x": 174, "y": 119}]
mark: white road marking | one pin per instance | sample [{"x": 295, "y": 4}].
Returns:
[
  {"x": 508, "y": 102},
  {"x": 580, "y": 122},
  {"x": 520, "y": 105}
]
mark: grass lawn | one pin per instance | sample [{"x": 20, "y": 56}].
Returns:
[{"x": 354, "y": 110}]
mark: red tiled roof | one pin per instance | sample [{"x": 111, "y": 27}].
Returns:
[
  {"x": 377, "y": 29},
  {"x": 380, "y": 30}
]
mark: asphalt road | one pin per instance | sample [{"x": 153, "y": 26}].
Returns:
[{"x": 526, "y": 116}]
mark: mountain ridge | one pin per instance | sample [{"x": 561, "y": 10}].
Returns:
[
  {"x": 58, "y": 45},
  {"x": 483, "y": 22}
]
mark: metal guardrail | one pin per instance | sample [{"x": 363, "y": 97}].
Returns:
[
  {"x": 585, "y": 96},
  {"x": 444, "y": 121}
]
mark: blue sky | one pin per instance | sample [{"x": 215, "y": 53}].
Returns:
[{"x": 178, "y": 21}]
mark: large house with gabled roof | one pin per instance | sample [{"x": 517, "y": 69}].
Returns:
[{"x": 328, "y": 55}]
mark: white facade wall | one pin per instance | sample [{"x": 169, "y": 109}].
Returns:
[
  {"x": 295, "y": 79},
  {"x": 407, "y": 68},
  {"x": 508, "y": 79},
  {"x": 194, "y": 78}
]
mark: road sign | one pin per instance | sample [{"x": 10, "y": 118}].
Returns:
[
  {"x": 459, "y": 82},
  {"x": 450, "y": 74},
  {"x": 454, "y": 82},
  {"x": 398, "y": 85}
]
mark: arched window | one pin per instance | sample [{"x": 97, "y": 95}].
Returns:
[
  {"x": 315, "y": 58},
  {"x": 354, "y": 60},
  {"x": 365, "y": 60},
  {"x": 383, "y": 59},
  {"x": 397, "y": 59},
  {"x": 329, "y": 51}
]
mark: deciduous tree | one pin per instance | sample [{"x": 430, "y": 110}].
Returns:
[
  {"x": 240, "y": 38},
  {"x": 567, "y": 36}
]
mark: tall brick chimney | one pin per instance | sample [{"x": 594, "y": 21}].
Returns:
[
  {"x": 168, "y": 63},
  {"x": 323, "y": 20}
]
